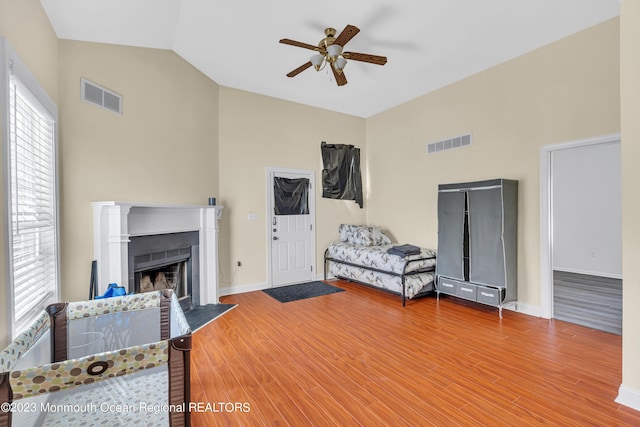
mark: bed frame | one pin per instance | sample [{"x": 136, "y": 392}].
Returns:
[{"x": 403, "y": 275}]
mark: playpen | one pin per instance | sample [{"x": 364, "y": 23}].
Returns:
[{"x": 106, "y": 362}]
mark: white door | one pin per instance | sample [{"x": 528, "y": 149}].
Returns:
[{"x": 291, "y": 226}]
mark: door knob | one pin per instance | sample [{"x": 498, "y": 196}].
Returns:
[{"x": 275, "y": 237}]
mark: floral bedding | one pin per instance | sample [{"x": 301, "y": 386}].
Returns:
[
  {"x": 377, "y": 257},
  {"x": 415, "y": 284},
  {"x": 367, "y": 247},
  {"x": 363, "y": 235}
]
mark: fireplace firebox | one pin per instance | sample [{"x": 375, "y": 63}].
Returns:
[{"x": 166, "y": 261}]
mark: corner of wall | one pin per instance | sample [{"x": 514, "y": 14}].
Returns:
[{"x": 628, "y": 396}]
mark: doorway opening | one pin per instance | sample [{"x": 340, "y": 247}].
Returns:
[{"x": 581, "y": 233}]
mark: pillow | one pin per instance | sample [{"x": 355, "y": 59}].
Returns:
[
  {"x": 363, "y": 235},
  {"x": 346, "y": 231}
]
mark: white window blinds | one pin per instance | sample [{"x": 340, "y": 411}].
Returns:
[{"x": 32, "y": 188}]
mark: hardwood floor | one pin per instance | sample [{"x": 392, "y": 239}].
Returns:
[
  {"x": 592, "y": 301},
  {"x": 359, "y": 358}
]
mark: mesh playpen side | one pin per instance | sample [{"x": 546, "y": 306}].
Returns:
[{"x": 115, "y": 361}]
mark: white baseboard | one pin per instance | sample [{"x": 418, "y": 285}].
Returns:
[
  {"x": 628, "y": 396},
  {"x": 240, "y": 289},
  {"x": 527, "y": 309}
]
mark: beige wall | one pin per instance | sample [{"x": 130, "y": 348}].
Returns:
[
  {"x": 162, "y": 149},
  {"x": 197, "y": 134},
  {"x": 27, "y": 29},
  {"x": 257, "y": 132},
  {"x": 26, "y": 26},
  {"x": 630, "y": 111},
  {"x": 562, "y": 92}
]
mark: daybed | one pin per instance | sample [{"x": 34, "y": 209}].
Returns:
[
  {"x": 362, "y": 255},
  {"x": 116, "y": 361}
]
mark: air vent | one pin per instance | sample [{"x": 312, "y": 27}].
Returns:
[
  {"x": 449, "y": 144},
  {"x": 100, "y": 96}
]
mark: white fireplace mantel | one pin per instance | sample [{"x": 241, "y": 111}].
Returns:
[{"x": 115, "y": 222}]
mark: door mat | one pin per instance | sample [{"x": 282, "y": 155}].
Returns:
[{"x": 301, "y": 291}]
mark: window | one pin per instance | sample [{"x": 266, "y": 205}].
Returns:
[
  {"x": 29, "y": 143},
  {"x": 341, "y": 177},
  {"x": 291, "y": 196}
]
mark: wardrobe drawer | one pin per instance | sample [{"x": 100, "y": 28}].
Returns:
[
  {"x": 467, "y": 291},
  {"x": 447, "y": 286},
  {"x": 489, "y": 296}
]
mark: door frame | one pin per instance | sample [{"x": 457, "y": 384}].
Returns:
[
  {"x": 546, "y": 220},
  {"x": 269, "y": 216}
]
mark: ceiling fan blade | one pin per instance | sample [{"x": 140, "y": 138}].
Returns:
[
  {"x": 366, "y": 57},
  {"x": 299, "y": 69},
  {"x": 298, "y": 44},
  {"x": 347, "y": 34},
  {"x": 341, "y": 80}
]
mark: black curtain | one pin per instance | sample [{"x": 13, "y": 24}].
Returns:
[
  {"x": 341, "y": 177},
  {"x": 291, "y": 196}
]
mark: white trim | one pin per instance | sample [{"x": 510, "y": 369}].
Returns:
[
  {"x": 546, "y": 225},
  {"x": 240, "y": 289},
  {"x": 269, "y": 171},
  {"x": 10, "y": 62},
  {"x": 518, "y": 307},
  {"x": 5, "y": 52},
  {"x": 628, "y": 396}
]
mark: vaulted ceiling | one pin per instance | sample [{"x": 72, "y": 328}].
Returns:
[{"x": 428, "y": 43}]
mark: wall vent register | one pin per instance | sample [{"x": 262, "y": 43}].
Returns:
[
  {"x": 449, "y": 144},
  {"x": 100, "y": 96}
]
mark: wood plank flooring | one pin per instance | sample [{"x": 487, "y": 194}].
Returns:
[
  {"x": 592, "y": 301},
  {"x": 359, "y": 358}
]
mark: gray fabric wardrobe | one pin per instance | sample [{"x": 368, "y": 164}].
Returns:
[{"x": 477, "y": 241}]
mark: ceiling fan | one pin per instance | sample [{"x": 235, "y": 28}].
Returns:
[{"x": 330, "y": 53}]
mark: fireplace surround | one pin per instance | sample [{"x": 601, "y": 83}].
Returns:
[{"x": 130, "y": 238}]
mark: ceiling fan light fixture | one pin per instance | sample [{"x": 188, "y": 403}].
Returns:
[
  {"x": 340, "y": 64},
  {"x": 334, "y": 50},
  {"x": 316, "y": 61}
]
